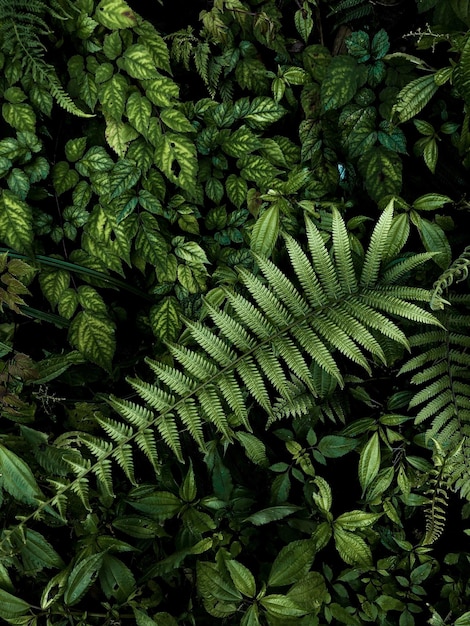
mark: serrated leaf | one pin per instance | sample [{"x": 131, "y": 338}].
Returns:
[
  {"x": 53, "y": 284},
  {"x": 236, "y": 189},
  {"x": 96, "y": 159},
  {"x": 19, "y": 183},
  {"x": 210, "y": 582},
  {"x": 175, "y": 156},
  {"x": 75, "y": 148},
  {"x": 138, "y": 62},
  {"x": 258, "y": 169},
  {"x": 241, "y": 141},
  {"x": 214, "y": 190},
  {"x": 63, "y": 178},
  {"x": 369, "y": 461},
  {"x": 265, "y": 231},
  {"x": 82, "y": 577},
  {"x": 430, "y": 154},
  {"x": 165, "y": 319},
  {"x": 93, "y": 336},
  {"x": 292, "y": 563},
  {"x": 263, "y": 112},
  {"x": 382, "y": 172},
  {"x": 431, "y": 202},
  {"x": 352, "y": 548},
  {"x": 281, "y": 607},
  {"x": 357, "y": 519},
  {"x": 343, "y": 77},
  {"x": 112, "y": 96},
  {"x": 20, "y": 116},
  {"x": 123, "y": 177},
  {"x": 17, "y": 478},
  {"x": 310, "y": 592},
  {"x": 335, "y": 446},
  {"x": 380, "y": 44},
  {"x": 150, "y": 243},
  {"x": 12, "y": 607},
  {"x": 414, "y": 97},
  {"x": 119, "y": 135},
  {"x": 434, "y": 240},
  {"x": 115, "y": 14},
  {"x": 272, "y": 514},
  {"x": 16, "y": 228},
  {"x": 176, "y": 120},
  {"x": 304, "y": 22},
  {"x": 116, "y": 579},
  {"x": 139, "y": 111},
  {"x": 156, "y": 44},
  {"x": 242, "y": 578}
]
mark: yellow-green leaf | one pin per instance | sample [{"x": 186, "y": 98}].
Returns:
[
  {"x": 369, "y": 461},
  {"x": 93, "y": 336},
  {"x": 115, "y": 14},
  {"x": 265, "y": 231},
  {"x": 138, "y": 62},
  {"x": 165, "y": 319},
  {"x": 16, "y": 228}
]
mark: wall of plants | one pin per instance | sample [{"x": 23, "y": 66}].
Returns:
[{"x": 234, "y": 312}]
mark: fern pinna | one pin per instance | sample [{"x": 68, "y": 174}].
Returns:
[{"x": 329, "y": 314}]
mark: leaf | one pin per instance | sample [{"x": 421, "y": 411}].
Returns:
[
  {"x": 17, "y": 478},
  {"x": 93, "y": 336},
  {"x": 82, "y": 577},
  {"x": 189, "y": 251},
  {"x": 292, "y": 563},
  {"x": 336, "y": 446},
  {"x": 357, "y": 519},
  {"x": 20, "y": 116},
  {"x": 369, "y": 461},
  {"x": 279, "y": 606},
  {"x": 236, "y": 189},
  {"x": 463, "y": 620},
  {"x": 380, "y": 44},
  {"x": 16, "y": 228},
  {"x": 242, "y": 578},
  {"x": 112, "y": 96},
  {"x": 116, "y": 579},
  {"x": 139, "y": 111},
  {"x": 352, "y": 548},
  {"x": 150, "y": 243},
  {"x": 37, "y": 553},
  {"x": 263, "y": 112},
  {"x": 96, "y": 159},
  {"x": 165, "y": 319},
  {"x": 431, "y": 202},
  {"x": 435, "y": 240},
  {"x": 53, "y": 284},
  {"x": 258, "y": 169},
  {"x": 265, "y": 231},
  {"x": 115, "y": 14},
  {"x": 461, "y": 74},
  {"x": 176, "y": 120},
  {"x": 138, "y": 62},
  {"x": 310, "y": 592},
  {"x": 382, "y": 172},
  {"x": 175, "y": 156},
  {"x": 343, "y": 77},
  {"x": 63, "y": 178},
  {"x": 304, "y": 22},
  {"x": 210, "y": 582},
  {"x": 12, "y": 607},
  {"x": 119, "y": 135},
  {"x": 414, "y": 97},
  {"x": 75, "y": 148},
  {"x": 160, "y": 505},
  {"x": 124, "y": 175},
  {"x": 19, "y": 183},
  {"x": 272, "y": 514}
]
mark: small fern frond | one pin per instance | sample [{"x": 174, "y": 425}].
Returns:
[
  {"x": 457, "y": 273},
  {"x": 377, "y": 249}
]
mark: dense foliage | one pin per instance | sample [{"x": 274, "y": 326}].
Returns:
[{"x": 234, "y": 309}]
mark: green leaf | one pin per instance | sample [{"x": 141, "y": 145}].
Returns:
[
  {"x": 258, "y": 169},
  {"x": 116, "y": 579},
  {"x": 37, "y": 553},
  {"x": 139, "y": 111},
  {"x": 335, "y": 446},
  {"x": 310, "y": 592},
  {"x": 82, "y": 577},
  {"x": 63, "y": 178},
  {"x": 18, "y": 480},
  {"x": 265, "y": 231},
  {"x": 281, "y": 607},
  {"x": 20, "y": 116},
  {"x": 119, "y": 135},
  {"x": 123, "y": 177},
  {"x": 461, "y": 74},
  {"x": 254, "y": 448},
  {"x": 272, "y": 514},
  {"x": 380, "y": 44},
  {"x": 138, "y": 62},
  {"x": 414, "y": 97},
  {"x": 242, "y": 578},
  {"x": 150, "y": 243},
  {"x": 156, "y": 44},
  {"x": 435, "y": 240},
  {"x": 382, "y": 172},
  {"x": 53, "y": 284},
  {"x": 115, "y": 14},
  {"x": 236, "y": 189},
  {"x": 189, "y": 251},
  {"x": 95, "y": 160},
  {"x": 160, "y": 505},
  {"x": 251, "y": 617},
  {"x": 19, "y": 183},
  {"x": 343, "y": 78},
  {"x": 176, "y": 157},
  {"x": 176, "y": 120},
  {"x": 93, "y": 336},
  {"x": 210, "y": 582},
  {"x": 112, "y": 96},
  {"x": 165, "y": 319},
  {"x": 16, "y": 222},
  {"x": 369, "y": 461},
  {"x": 463, "y": 620},
  {"x": 263, "y": 112},
  {"x": 357, "y": 519},
  {"x": 352, "y": 548},
  {"x": 75, "y": 148},
  {"x": 431, "y": 202},
  {"x": 68, "y": 303},
  {"x": 292, "y": 563},
  {"x": 241, "y": 141},
  {"x": 12, "y": 607},
  {"x": 304, "y": 22}
]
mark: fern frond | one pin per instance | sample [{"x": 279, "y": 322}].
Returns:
[
  {"x": 377, "y": 249},
  {"x": 457, "y": 273}
]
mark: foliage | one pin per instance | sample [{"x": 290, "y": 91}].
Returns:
[{"x": 233, "y": 369}]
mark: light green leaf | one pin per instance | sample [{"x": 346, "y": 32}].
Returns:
[
  {"x": 19, "y": 183},
  {"x": 156, "y": 44},
  {"x": 112, "y": 96},
  {"x": 369, "y": 461},
  {"x": 123, "y": 177},
  {"x": 119, "y": 135},
  {"x": 281, "y": 607},
  {"x": 112, "y": 46},
  {"x": 93, "y": 336},
  {"x": 96, "y": 159},
  {"x": 292, "y": 563},
  {"x": 310, "y": 592},
  {"x": 430, "y": 154},
  {"x": 435, "y": 240},
  {"x": 138, "y": 62},
  {"x": 68, "y": 303},
  {"x": 139, "y": 111},
  {"x": 16, "y": 228},
  {"x": 352, "y": 548},
  {"x": 115, "y": 14},
  {"x": 414, "y": 97},
  {"x": 335, "y": 446},
  {"x": 463, "y": 620},
  {"x": 263, "y": 112},
  {"x": 272, "y": 514},
  {"x": 176, "y": 120},
  {"x": 214, "y": 190},
  {"x": 357, "y": 519},
  {"x": 242, "y": 578},
  {"x": 18, "y": 479},
  {"x": 150, "y": 243},
  {"x": 254, "y": 448},
  {"x": 75, "y": 148},
  {"x": 189, "y": 251},
  {"x": 236, "y": 189},
  {"x": 258, "y": 169},
  {"x": 241, "y": 141},
  {"x": 304, "y": 22},
  {"x": 265, "y": 231},
  {"x": 251, "y": 617},
  {"x": 82, "y": 577},
  {"x": 20, "y": 116},
  {"x": 176, "y": 157},
  {"x": 161, "y": 90},
  {"x": 53, "y": 284},
  {"x": 431, "y": 202},
  {"x": 165, "y": 319}
]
